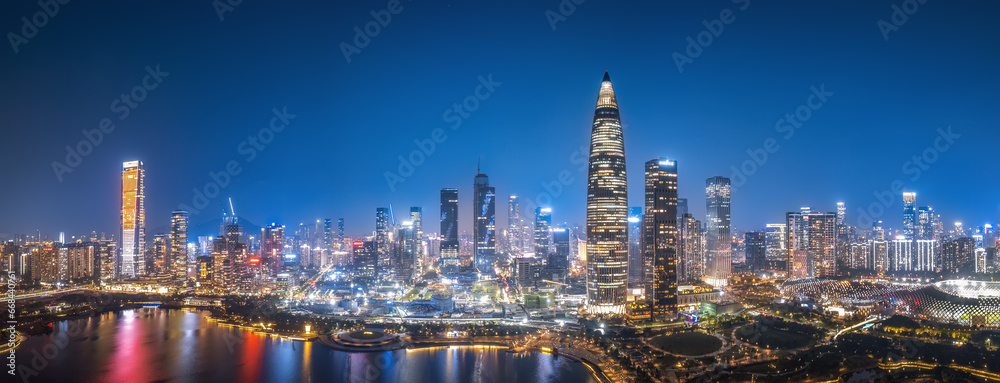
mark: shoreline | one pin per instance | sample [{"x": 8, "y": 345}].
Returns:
[{"x": 423, "y": 345}]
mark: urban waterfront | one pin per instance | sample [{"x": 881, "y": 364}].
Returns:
[
  {"x": 160, "y": 345},
  {"x": 500, "y": 191}
]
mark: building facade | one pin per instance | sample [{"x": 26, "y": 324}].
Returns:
[
  {"x": 133, "y": 219},
  {"x": 607, "y": 209}
]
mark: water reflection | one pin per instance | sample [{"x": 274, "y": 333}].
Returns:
[{"x": 151, "y": 345}]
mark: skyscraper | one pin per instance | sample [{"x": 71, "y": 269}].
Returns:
[
  {"x": 133, "y": 218},
  {"x": 812, "y": 236},
  {"x": 514, "y": 225},
  {"x": 909, "y": 214},
  {"x": 484, "y": 223},
  {"x": 178, "y": 244},
  {"x": 365, "y": 259},
  {"x": 756, "y": 251},
  {"x": 339, "y": 246},
  {"x": 272, "y": 247},
  {"x": 327, "y": 235},
  {"x": 924, "y": 227},
  {"x": 162, "y": 256},
  {"x": 607, "y": 208},
  {"x": 406, "y": 252},
  {"x": 776, "y": 250},
  {"x": 660, "y": 238},
  {"x": 559, "y": 258},
  {"x": 718, "y": 242},
  {"x": 543, "y": 221},
  {"x": 381, "y": 241},
  {"x": 690, "y": 249},
  {"x": 449, "y": 227},
  {"x": 417, "y": 219},
  {"x": 636, "y": 268}
]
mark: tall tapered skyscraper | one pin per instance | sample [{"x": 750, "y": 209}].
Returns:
[
  {"x": 718, "y": 242},
  {"x": 133, "y": 219},
  {"x": 607, "y": 209},
  {"x": 484, "y": 223}
]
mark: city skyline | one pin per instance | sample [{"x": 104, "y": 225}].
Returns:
[
  {"x": 709, "y": 111},
  {"x": 399, "y": 190}
]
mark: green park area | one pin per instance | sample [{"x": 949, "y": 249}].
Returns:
[
  {"x": 687, "y": 343},
  {"x": 776, "y": 334}
]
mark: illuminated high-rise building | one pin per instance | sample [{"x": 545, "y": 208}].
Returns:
[
  {"x": 514, "y": 226},
  {"x": 558, "y": 259},
  {"x": 162, "y": 263},
  {"x": 959, "y": 255},
  {"x": 327, "y": 235},
  {"x": 178, "y": 244},
  {"x": 607, "y": 208},
  {"x": 718, "y": 241},
  {"x": 484, "y": 224},
  {"x": 841, "y": 213},
  {"x": 756, "y": 251},
  {"x": 924, "y": 227},
  {"x": 382, "y": 241},
  {"x": 543, "y": 222},
  {"x": 417, "y": 219},
  {"x": 272, "y": 247},
  {"x": 339, "y": 246},
  {"x": 909, "y": 214},
  {"x": 80, "y": 260},
  {"x": 406, "y": 252},
  {"x": 107, "y": 254},
  {"x": 660, "y": 238},
  {"x": 812, "y": 236},
  {"x": 690, "y": 249},
  {"x": 636, "y": 268},
  {"x": 449, "y": 227},
  {"x": 365, "y": 262},
  {"x": 133, "y": 219},
  {"x": 776, "y": 248}
]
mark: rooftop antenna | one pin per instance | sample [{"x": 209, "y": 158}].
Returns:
[
  {"x": 479, "y": 161},
  {"x": 231, "y": 206}
]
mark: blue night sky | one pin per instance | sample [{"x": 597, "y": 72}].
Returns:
[{"x": 353, "y": 120}]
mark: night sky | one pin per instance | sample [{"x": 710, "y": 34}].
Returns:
[{"x": 354, "y": 119}]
